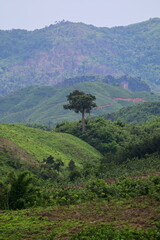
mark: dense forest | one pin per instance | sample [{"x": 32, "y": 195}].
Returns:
[{"x": 64, "y": 50}]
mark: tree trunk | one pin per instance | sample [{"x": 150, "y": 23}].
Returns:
[{"x": 83, "y": 122}]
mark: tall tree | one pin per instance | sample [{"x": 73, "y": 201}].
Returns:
[{"x": 80, "y": 102}]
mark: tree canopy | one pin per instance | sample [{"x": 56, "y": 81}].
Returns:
[{"x": 80, "y": 102}]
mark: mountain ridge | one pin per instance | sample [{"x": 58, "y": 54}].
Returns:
[{"x": 49, "y": 55}]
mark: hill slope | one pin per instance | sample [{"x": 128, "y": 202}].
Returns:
[
  {"x": 47, "y": 56},
  {"x": 13, "y": 157},
  {"x": 45, "y": 104},
  {"x": 136, "y": 114},
  {"x": 41, "y": 144}
]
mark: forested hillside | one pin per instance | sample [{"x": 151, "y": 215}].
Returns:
[
  {"x": 50, "y": 55},
  {"x": 137, "y": 114}
]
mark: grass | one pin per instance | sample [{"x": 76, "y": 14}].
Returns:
[
  {"x": 14, "y": 157},
  {"x": 41, "y": 144},
  {"x": 63, "y": 222}
]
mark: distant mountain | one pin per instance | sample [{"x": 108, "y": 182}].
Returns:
[
  {"x": 64, "y": 50},
  {"x": 45, "y": 104},
  {"x": 127, "y": 82},
  {"x": 136, "y": 114}
]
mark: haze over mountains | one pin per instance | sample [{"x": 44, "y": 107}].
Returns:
[{"x": 58, "y": 52}]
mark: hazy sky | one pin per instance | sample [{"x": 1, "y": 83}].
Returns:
[{"x": 34, "y": 14}]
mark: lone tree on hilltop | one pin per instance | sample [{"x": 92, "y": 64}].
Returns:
[{"x": 80, "y": 102}]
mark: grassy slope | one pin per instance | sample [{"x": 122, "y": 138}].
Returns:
[
  {"x": 12, "y": 157},
  {"x": 45, "y": 104},
  {"x": 40, "y": 144}
]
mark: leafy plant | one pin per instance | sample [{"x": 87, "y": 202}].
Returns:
[
  {"x": 22, "y": 191},
  {"x": 109, "y": 232}
]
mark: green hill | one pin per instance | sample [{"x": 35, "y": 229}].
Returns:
[
  {"x": 45, "y": 104},
  {"x": 52, "y": 54},
  {"x": 29, "y": 143},
  {"x": 14, "y": 157},
  {"x": 136, "y": 114},
  {"x": 108, "y": 198}
]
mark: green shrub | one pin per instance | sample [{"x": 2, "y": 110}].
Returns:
[
  {"x": 3, "y": 196},
  {"x": 22, "y": 191},
  {"x": 110, "y": 233},
  {"x": 132, "y": 187},
  {"x": 100, "y": 188}
]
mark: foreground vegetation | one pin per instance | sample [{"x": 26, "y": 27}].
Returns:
[
  {"x": 111, "y": 193},
  {"x": 128, "y": 209}
]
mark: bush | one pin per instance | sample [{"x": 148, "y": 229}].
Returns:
[
  {"x": 3, "y": 196},
  {"x": 100, "y": 188},
  {"x": 110, "y": 233},
  {"x": 22, "y": 191},
  {"x": 132, "y": 187}
]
